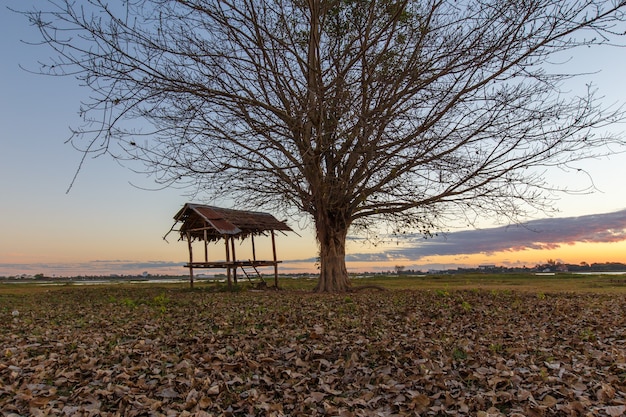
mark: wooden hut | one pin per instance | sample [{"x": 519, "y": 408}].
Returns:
[{"x": 211, "y": 224}]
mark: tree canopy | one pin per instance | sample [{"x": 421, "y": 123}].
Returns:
[{"x": 349, "y": 111}]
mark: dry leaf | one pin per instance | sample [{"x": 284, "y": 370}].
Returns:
[
  {"x": 616, "y": 410},
  {"x": 549, "y": 401},
  {"x": 85, "y": 352}
]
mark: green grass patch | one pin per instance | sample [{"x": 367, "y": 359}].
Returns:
[{"x": 440, "y": 283}]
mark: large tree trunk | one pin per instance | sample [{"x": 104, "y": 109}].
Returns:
[{"x": 331, "y": 236}]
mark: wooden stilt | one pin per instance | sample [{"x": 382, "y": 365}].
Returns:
[
  {"x": 230, "y": 282},
  {"x": 275, "y": 260},
  {"x": 206, "y": 247},
  {"x": 253, "y": 249},
  {"x": 190, "y": 259},
  {"x": 232, "y": 244}
]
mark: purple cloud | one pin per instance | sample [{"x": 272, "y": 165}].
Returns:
[{"x": 547, "y": 233}]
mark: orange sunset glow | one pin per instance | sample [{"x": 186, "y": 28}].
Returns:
[{"x": 592, "y": 239}]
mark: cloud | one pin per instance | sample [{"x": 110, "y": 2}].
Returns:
[
  {"x": 540, "y": 234},
  {"x": 547, "y": 233}
]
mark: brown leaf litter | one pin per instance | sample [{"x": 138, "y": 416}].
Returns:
[{"x": 164, "y": 352}]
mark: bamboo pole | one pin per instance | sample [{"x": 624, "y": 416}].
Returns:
[{"x": 206, "y": 247}]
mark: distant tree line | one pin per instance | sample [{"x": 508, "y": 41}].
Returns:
[{"x": 549, "y": 266}]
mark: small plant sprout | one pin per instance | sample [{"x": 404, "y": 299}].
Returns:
[
  {"x": 442, "y": 293},
  {"x": 496, "y": 348},
  {"x": 458, "y": 354}
]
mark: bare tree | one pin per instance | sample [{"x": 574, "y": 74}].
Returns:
[{"x": 352, "y": 112}]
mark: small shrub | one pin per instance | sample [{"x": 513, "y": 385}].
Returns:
[
  {"x": 588, "y": 335},
  {"x": 161, "y": 301},
  {"x": 442, "y": 293},
  {"x": 458, "y": 354},
  {"x": 129, "y": 302},
  {"x": 496, "y": 348}
]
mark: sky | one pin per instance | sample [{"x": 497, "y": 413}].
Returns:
[{"x": 113, "y": 220}]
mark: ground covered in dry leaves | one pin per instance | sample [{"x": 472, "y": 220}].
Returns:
[{"x": 155, "y": 351}]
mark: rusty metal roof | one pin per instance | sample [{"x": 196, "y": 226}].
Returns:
[{"x": 221, "y": 222}]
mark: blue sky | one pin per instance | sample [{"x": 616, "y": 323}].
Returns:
[{"x": 108, "y": 224}]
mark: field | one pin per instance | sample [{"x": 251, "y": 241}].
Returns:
[{"x": 437, "y": 345}]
